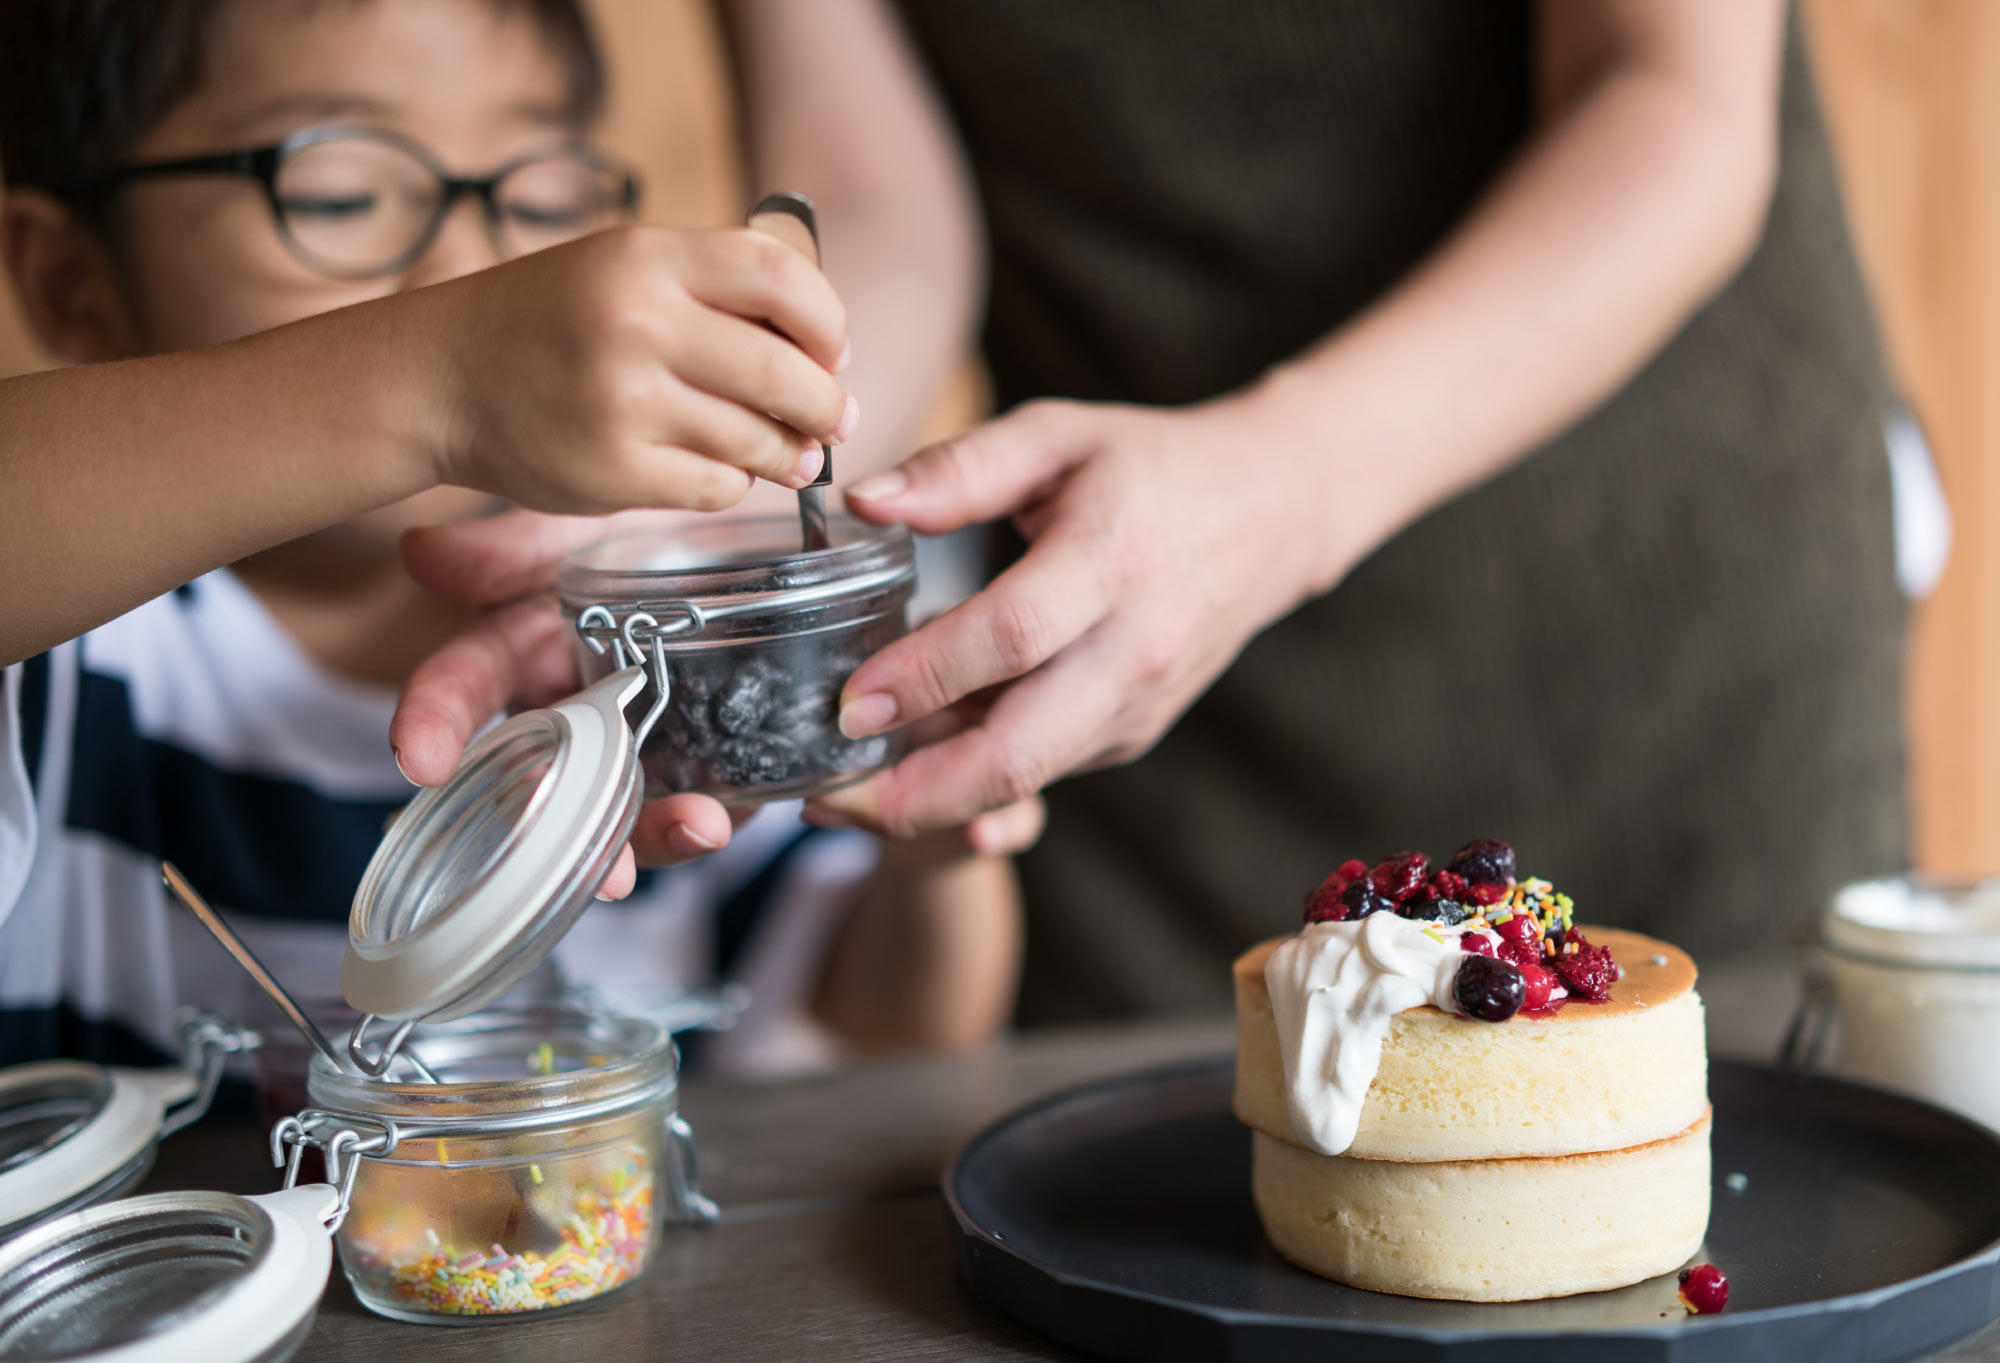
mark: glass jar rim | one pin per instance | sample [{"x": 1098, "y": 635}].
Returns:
[
  {"x": 728, "y": 558},
  {"x": 625, "y": 1062}
]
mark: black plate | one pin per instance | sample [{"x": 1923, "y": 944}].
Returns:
[{"x": 1116, "y": 1218}]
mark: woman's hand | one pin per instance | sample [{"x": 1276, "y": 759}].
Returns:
[
  {"x": 1159, "y": 543},
  {"x": 641, "y": 367}
]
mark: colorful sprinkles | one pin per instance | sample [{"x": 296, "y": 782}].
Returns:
[{"x": 605, "y": 1242}]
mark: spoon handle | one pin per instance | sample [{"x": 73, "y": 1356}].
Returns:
[
  {"x": 792, "y": 219},
  {"x": 236, "y": 947}
]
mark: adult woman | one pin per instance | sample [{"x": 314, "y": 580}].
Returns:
[{"x": 1357, "y": 262}]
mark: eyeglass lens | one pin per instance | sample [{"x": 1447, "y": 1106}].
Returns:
[{"x": 354, "y": 204}]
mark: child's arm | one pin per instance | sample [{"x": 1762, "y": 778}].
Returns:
[
  {"x": 626, "y": 369},
  {"x": 929, "y": 957}
]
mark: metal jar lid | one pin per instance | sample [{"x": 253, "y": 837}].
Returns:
[
  {"x": 478, "y": 879},
  {"x": 73, "y": 1133},
  {"x": 199, "y": 1277}
]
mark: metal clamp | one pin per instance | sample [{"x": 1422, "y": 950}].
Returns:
[
  {"x": 207, "y": 1042},
  {"x": 1803, "y": 1051},
  {"x": 692, "y": 1207},
  {"x": 335, "y": 1136},
  {"x": 376, "y": 1066},
  {"x": 599, "y": 630}
]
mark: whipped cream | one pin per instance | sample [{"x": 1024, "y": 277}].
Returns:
[{"x": 1334, "y": 988}]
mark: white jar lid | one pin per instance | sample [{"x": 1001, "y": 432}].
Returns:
[
  {"x": 1914, "y": 920},
  {"x": 478, "y": 879},
  {"x": 69, "y": 1131},
  {"x": 199, "y": 1277}
]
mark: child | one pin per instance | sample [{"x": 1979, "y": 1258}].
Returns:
[{"x": 182, "y": 175}]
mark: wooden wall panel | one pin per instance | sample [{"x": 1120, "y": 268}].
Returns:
[{"x": 1912, "y": 89}]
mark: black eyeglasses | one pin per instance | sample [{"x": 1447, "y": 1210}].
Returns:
[{"x": 359, "y": 202}]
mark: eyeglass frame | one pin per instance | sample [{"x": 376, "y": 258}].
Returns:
[{"x": 262, "y": 164}]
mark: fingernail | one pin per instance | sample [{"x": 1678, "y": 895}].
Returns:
[
  {"x": 850, "y": 418},
  {"x": 682, "y": 838},
  {"x": 881, "y": 487},
  {"x": 602, "y": 897},
  {"x": 810, "y": 463},
  {"x": 399, "y": 765},
  {"x": 869, "y": 714},
  {"x": 846, "y": 356}
]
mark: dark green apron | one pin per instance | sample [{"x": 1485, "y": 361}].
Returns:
[{"x": 1661, "y": 655}]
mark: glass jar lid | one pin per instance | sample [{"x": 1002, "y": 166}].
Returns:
[
  {"x": 72, "y": 1132},
  {"x": 740, "y": 576},
  {"x": 478, "y": 879},
  {"x": 195, "y": 1277},
  {"x": 1914, "y": 920}
]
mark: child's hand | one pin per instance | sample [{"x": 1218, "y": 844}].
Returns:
[{"x": 642, "y": 367}]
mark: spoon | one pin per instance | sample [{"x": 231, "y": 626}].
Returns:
[
  {"x": 783, "y": 215},
  {"x": 236, "y": 947}
]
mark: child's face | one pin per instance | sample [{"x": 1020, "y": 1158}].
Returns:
[{"x": 474, "y": 82}]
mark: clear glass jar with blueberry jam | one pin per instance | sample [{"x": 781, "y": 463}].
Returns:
[{"x": 757, "y": 638}]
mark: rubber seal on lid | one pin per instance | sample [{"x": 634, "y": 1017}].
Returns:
[
  {"x": 479, "y": 878},
  {"x": 75, "y": 1130}
]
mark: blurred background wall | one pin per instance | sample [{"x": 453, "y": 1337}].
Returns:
[{"x": 1913, "y": 93}]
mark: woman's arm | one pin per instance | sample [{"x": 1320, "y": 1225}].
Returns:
[
  {"x": 836, "y": 106},
  {"x": 1639, "y": 193}
]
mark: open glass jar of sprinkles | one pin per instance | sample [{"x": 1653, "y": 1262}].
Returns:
[
  {"x": 757, "y": 637},
  {"x": 535, "y": 1174}
]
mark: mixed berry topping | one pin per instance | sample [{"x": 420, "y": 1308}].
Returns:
[
  {"x": 1488, "y": 989},
  {"x": 1523, "y": 951},
  {"x": 1704, "y": 1290}
]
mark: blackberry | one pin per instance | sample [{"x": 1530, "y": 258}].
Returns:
[
  {"x": 1362, "y": 898},
  {"x": 1484, "y": 861},
  {"x": 1487, "y": 989},
  {"x": 755, "y": 761},
  {"x": 1445, "y": 911}
]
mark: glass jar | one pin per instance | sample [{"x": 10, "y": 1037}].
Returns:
[
  {"x": 1912, "y": 970},
  {"x": 758, "y": 639},
  {"x": 536, "y": 1174}
]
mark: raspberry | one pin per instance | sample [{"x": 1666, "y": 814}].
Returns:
[
  {"x": 1704, "y": 1289},
  {"x": 1352, "y": 869},
  {"x": 1445, "y": 885},
  {"x": 1323, "y": 904},
  {"x": 1477, "y": 943},
  {"x": 1487, "y": 989},
  {"x": 1520, "y": 953},
  {"x": 1400, "y": 875},
  {"x": 1485, "y": 895},
  {"x": 1537, "y": 984},
  {"x": 1484, "y": 861},
  {"x": 1588, "y": 972},
  {"x": 1361, "y": 899}
]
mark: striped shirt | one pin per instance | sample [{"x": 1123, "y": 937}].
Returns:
[{"x": 195, "y": 729}]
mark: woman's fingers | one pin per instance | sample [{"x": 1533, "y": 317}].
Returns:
[
  {"x": 680, "y": 828},
  {"x": 1009, "y": 831},
  {"x": 623, "y": 875},
  {"x": 505, "y": 557},
  {"x": 991, "y": 471},
  {"x": 452, "y": 693},
  {"x": 1055, "y": 594}
]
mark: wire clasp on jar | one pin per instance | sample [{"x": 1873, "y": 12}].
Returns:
[
  {"x": 601, "y": 630},
  {"x": 342, "y": 1138},
  {"x": 207, "y": 1042}
]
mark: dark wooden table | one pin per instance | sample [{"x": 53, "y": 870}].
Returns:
[{"x": 834, "y": 1241}]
